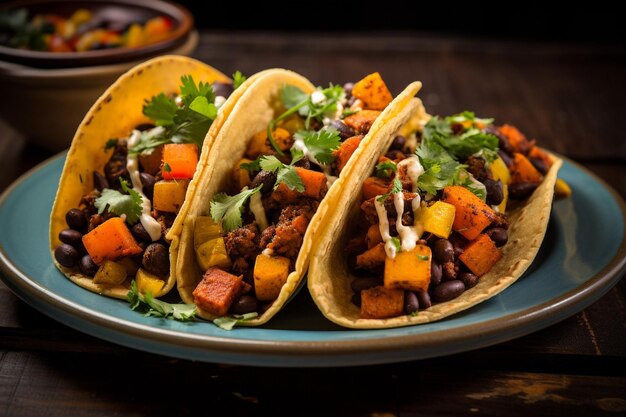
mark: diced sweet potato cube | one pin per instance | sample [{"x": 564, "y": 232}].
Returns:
[
  {"x": 472, "y": 214},
  {"x": 523, "y": 171},
  {"x": 516, "y": 138},
  {"x": 169, "y": 195},
  {"x": 374, "y": 186},
  {"x": 373, "y": 92},
  {"x": 438, "y": 219},
  {"x": 179, "y": 160},
  {"x": 537, "y": 153},
  {"x": 217, "y": 291},
  {"x": 362, "y": 121},
  {"x": 409, "y": 270},
  {"x": 315, "y": 186},
  {"x": 270, "y": 274},
  {"x": 372, "y": 258},
  {"x": 110, "y": 240},
  {"x": 480, "y": 255},
  {"x": 373, "y": 236},
  {"x": 381, "y": 303},
  {"x": 345, "y": 151},
  {"x": 260, "y": 145}
]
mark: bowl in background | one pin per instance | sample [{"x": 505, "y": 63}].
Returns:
[{"x": 45, "y": 101}]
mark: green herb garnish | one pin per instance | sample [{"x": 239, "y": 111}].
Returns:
[
  {"x": 397, "y": 188},
  {"x": 228, "y": 322},
  {"x": 253, "y": 166},
  {"x": 385, "y": 169},
  {"x": 284, "y": 173},
  {"x": 228, "y": 208},
  {"x": 238, "y": 79},
  {"x": 129, "y": 204},
  {"x": 423, "y": 257},
  {"x": 396, "y": 242},
  {"x": 167, "y": 167},
  {"x": 320, "y": 144},
  {"x": 151, "y": 307},
  {"x": 111, "y": 143}
]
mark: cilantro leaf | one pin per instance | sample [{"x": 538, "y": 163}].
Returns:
[
  {"x": 167, "y": 167},
  {"x": 149, "y": 140},
  {"x": 291, "y": 96},
  {"x": 189, "y": 91},
  {"x": 396, "y": 242},
  {"x": 161, "y": 109},
  {"x": 129, "y": 204},
  {"x": 423, "y": 257},
  {"x": 228, "y": 322},
  {"x": 320, "y": 144},
  {"x": 111, "y": 143},
  {"x": 151, "y": 307},
  {"x": 253, "y": 166},
  {"x": 284, "y": 173},
  {"x": 397, "y": 188},
  {"x": 383, "y": 169},
  {"x": 228, "y": 208},
  {"x": 201, "y": 105},
  {"x": 238, "y": 79}
]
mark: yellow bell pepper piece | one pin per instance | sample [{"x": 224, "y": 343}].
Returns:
[
  {"x": 409, "y": 270},
  {"x": 169, "y": 195},
  {"x": 205, "y": 229},
  {"x": 213, "y": 253},
  {"x": 270, "y": 274},
  {"x": 147, "y": 282},
  {"x": 562, "y": 189},
  {"x": 438, "y": 219},
  {"x": 500, "y": 171}
]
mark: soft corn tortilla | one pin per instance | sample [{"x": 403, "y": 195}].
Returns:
[
  {"x": 252, "y": 113},
  {"x": 114, "y": 115},
  {"x": 329, "y": 276}
]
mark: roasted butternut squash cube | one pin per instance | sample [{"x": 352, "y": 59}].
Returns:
[
  {"x": 373, "y": 236},
  {"x": 292, "y": 124},
  {"x": 179, "y": 160},
  {"x": 213, "y": 253},
  {"x": 480, "y": 255},
  {"x": 374, "y": 186},
  {"x": 523, "y": 170},
  {"x": 372, "y": 258},
  {"x": 110, "y": 240},
  {"x": 381, "y": 303},
  {"x": 169, "y": 195},
  {"x": 500, "y": 171},
  {"x": 373, "y": 92},
  {"x": 409, "y": 270},
  {"x": 260, "y": 144},
  {"x": 217, "y": 291},
  {"x": 438, "y": 219},
  {"x": 362, "y": 121},
  {"x": 270, "y": 274},
  {"x": 147, "y": 282},
  {"x": 242, "y": 176},
  {"x": 205, "y": 229},
  {"x": 110, "y": 273},
  {"x": 472, "y": 214}
]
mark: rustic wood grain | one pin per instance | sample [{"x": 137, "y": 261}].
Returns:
[{"x": 568, "y": 96}]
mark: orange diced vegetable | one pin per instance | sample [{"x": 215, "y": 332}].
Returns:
[
  {"x": 270, "y": 274},
  {"x": 179, "y": 160},
  {"x": 523, "y": 171},
  {"x": 314, "y": 186},
  {"x": 374, "y": 186},
  {"x": 260, "y": 145},
  {"x": 346, "y": 150},
  {"x": 471, "y": 215},
  {"x": 516, "y": 138},
  {"x": 300, "y": 223},
  {"x": 242, "y": 176},
  {"x": 373, "y": 92},
  {"x": 362, "y": 121},
  {"x": 537, "y": 153},
  {"x": 409, "y": 270},
  {"x": 169, "y": 196},
  {"x": 110, "y": 240},
  {"x": 372, "y": 258},
  {"x": 373, "y": 236},
  {"x": 480, "y": 255},
  {"x": 151, "y": 163},
  {"x": 381, "y": 303},
  {"x": 217, "y": 291}
]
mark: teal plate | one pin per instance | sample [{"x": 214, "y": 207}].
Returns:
[{"x": 582, "y": 257}]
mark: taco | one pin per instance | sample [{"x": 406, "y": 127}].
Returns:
[
  {"x": 442, "y": 215},
  {"x": 249, "y": 228},
  {"x": 128, "y": 171}
]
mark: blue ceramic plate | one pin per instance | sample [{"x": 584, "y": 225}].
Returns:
[{"x": 582, "y": 256}]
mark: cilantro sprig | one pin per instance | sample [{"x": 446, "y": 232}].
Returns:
[
  {"x": 284, "y": 173},
  {"x": 238, "y": 79},
  {"x": 397, "y": 188},
  {"x": 129, "y": 204},
  {"x": 229, "y": 322},
  {"x": 320, "y": 144},
  {"x": 385, "y": 169},
  {"x": 309, "y": 106},
  {"x": 228, "y": 209},
  {"x": 151, "y": 307}
]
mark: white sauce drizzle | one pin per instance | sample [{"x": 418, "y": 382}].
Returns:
[
  {"x": 256, "y": 207},
  {"x": 219, "y": 101},
  {"x": 148, "y": 222}
]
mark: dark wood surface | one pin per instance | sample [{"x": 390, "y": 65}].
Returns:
[{"x": 570, "y": 97}]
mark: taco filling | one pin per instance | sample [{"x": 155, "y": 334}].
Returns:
[
  {"x": 433, "y": 214},
  {"x": 249, "y": 244},
  {"x": 117, "y": 230}
]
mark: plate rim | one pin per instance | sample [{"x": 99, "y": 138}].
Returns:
[{"x": 514, "y": 324}]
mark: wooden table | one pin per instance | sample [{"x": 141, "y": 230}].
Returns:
[{"x": 570, "y": 97}]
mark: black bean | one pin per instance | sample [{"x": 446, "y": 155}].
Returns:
[
  {"x": 88, "y": 266},
  {"x": 356, "y": 299},
  {"x": 495, "y": 195},
  {"x": 222, "y": 89},
  {"x": 344, "y": 130},
  {"x": 435, "y": 273},
  {"x": 303, "y": 163},
  {"x": 443, "y": 251},
  {"x": 244, "y": 304},
  {"x": 71, "y": 237},
  {"x": 469, "y": 280},
  {"x": 144, "y": 126},
  {"x": 360, "y": 284},
  {"x": 100, "y": 181},
  {"x": 156, "y": 259},
  {"x": 521, "y": 190},
  {"x": 424, "y": 299},
  {"x": 499, "y": 235},
  {"x": 76, "y": 219},
  {"x": 347, "y": 87},
  {"x": 148, "y": 182},
  {"x": 66, "y": 255},
  {"x": 411, "y": 302},
  {"x": 448, "y": 290},
  {"x": 267, "y": 179},
  {"x": 398, "y": 143},
  {"x": 395, "y": 154},
  {"x": 540, "y": 165},
  {"x": 140, "y": 233}
]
